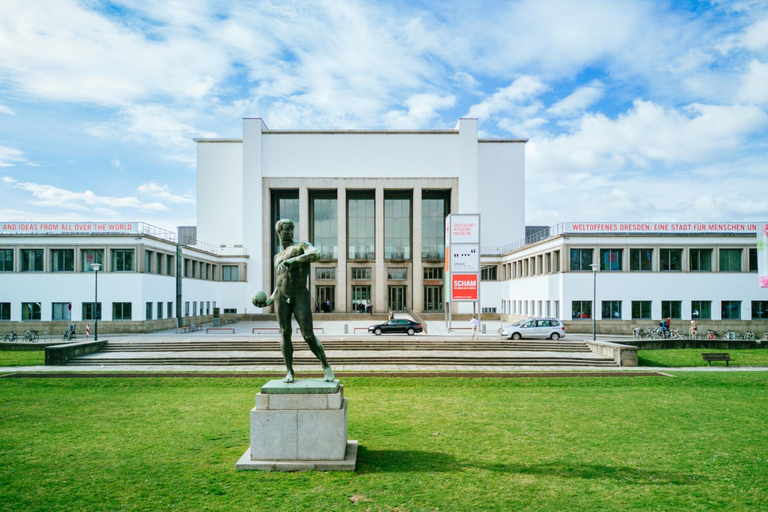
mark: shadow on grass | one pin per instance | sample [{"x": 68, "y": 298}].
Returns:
[
  {"x": 644, "y": 361},
  {"x": 624, "y": 474},
  {"x": 405, "y": 461}
]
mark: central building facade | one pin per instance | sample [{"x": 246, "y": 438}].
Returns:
[{"x": 373, "y": 202}]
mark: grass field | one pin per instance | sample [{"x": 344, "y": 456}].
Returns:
[
  {"x": 692, "y": 442},
  {"x": 22, "y": 357},
  {"x": 678, "y": 358}
]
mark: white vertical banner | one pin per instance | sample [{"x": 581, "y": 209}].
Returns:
[{"x": 762, "y": 254}]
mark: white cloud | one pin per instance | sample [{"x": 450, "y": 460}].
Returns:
[
  {"x": 581, "y": 99},
  {"x": 422, "y": 109},
  {"x": 644, "y": 134},
  {"x": 12, "y": 156},
  {"x": 754, "y": 85},
  {"x": 55, "y": 197},
  {"x": 508, "y": 98},
  {"x": 6, "y": 110},
  {"x": 163, "y": 192}
]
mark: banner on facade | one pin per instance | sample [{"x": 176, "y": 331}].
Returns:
[
  {"x": 62, "y": 228},
  {"x": 661, "y": 227},
  {"x": 762, "y": 255}
]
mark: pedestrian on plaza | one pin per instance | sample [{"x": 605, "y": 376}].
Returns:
[
  {"x": 391, "y": 315},
  {"x": 693, "y": 331},
  {"x": 474, "y": 323},
  {"x": 317, "y": 307}
]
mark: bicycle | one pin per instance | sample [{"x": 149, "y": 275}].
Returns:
[
  {"x": 730, "y": 335},
  {"x": 31, "y": 336},
  {"x": 749, "y": 336},
  {"x": 10, "y": 336},
  {"x": 712, "y": 335},
  {"x": 70, "y": 333}
]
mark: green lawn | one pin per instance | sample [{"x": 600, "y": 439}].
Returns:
[
  {"x": 678, "y": 358},
  {"x": 22, "y": 357},
  {"x": 693, "y": 442}
]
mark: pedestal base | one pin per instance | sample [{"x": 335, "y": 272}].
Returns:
[{"x": 348, "y": 464}]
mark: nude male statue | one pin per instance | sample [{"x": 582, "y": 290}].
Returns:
[{"x": 291, "y": 296}]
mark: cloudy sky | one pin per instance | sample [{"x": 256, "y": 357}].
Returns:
[{"x": 635, "y": 110}]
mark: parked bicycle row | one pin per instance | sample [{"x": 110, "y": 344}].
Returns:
[
  {"x": 659, "y": 333},
  {"x": 33, "y": 336}
]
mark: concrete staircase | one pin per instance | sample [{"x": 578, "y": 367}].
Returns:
[{"x": 379, "y": 351}]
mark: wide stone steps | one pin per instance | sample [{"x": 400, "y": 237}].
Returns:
[{"x": 331, "y": 345}]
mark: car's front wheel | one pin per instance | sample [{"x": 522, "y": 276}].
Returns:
[
  {"x": 410, "y": 332},
  {"x": 377, "y": 332},
  {"x": 517, "y": 336},
  {"x": 554, "y": 336}
]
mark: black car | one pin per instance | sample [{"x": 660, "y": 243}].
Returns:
[{"x": 394, "y": 326}]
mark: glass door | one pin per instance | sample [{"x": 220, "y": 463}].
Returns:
[
  {"x": 433, "y": 298},
  {"x": 326, "y": 298},
  {"x": 397, "y": 298}
]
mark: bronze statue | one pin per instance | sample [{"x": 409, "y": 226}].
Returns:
[{"x": 291, "y": 295}]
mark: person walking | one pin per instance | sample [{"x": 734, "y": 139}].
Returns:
[
  {"x": 474, "y": 323},
  {"x": 693, "y": 331}
]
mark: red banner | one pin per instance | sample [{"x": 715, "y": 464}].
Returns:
[{"x": 464, "y": 286}]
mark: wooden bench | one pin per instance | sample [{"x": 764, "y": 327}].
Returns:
[
  {"x": 716, "y": 356},
  {"x": 182, "y": 329},
  {"x": 267, "y": 329},
  {"x": 209, "y": 329}
]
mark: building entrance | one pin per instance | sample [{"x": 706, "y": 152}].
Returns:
[
  {"x": 360, "y": 295},
  {"x": 433, "y": 298},
  {"x": 326, "y": 298},
  {"x": 397, "y": 298}
]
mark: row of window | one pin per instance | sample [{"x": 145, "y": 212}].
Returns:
[
  {"x": 634, "y": 260},
  {"x": 60, "y": 311},
  {"x": 365, "y": 273},
  {"x": 641, "y": 309},
  {"x": 361, "y": 222},
  {"x": 120, "y": 260}
]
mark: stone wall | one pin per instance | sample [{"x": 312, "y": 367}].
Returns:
[
  {"x": 57, "y": 328},
  {"x": 759, "y": 327}
]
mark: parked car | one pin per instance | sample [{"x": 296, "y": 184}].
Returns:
[
  {"x": 408, "y": 327},
  {"x": 534, "y": 328}
]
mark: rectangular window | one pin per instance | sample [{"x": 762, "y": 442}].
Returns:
[
  {"x": 60, "y": 311},
  {"x": 361, "y": 226},
  {"x": 611, "y": 260},
  {"x": 324, "y": 225},
  {"x": 208, "y": 307},
  {"x": 397, "y": 227},
  {"x": 169, "y": 270},
  {"x": 148, "y": 261},
  {"x": 397, "y": 273},
  {"x": 556, "y": 261},
  {"x": 285, "y": 205},
  {"x": 581, "y": 309},
  {"x": 186, "y": 308},
  {"x": 671, "y": 309},
  {"x": 31, "y": 260},
  {"x": 62, "y": 260},
  {"x": 641, "y": 260},
  {"x": 230, "y": 273},
  {"x": 6, "y": 260},
  {"x": 325, "y": 273},
  {"x": 159, "y": 263},
  {"x": 187, "y": 267},
  {"x": 360, "y": 295},
  {"x": 433, "y": 273},
  {"x": 701, "y": 309},
  {"x": 489, "y": 273},
  {"x": 731, "y": 309},
  {"x": 30, "y": 311},
  {"x": 229, "y": 310},
  {"x": 753, "y": 260},
  {"x": 169, "y": 310},
  {"x": 148, "y": 310},
  {"x": 90, "y": 256},
  {"x": 759, "y": 310},
  {"x": 122, "y": 261},
  {"x": 671, "y": 260},
  {"x": 434, "y": 208},
  {"x": 122, "y": 311},
  {"x": 361, "y": 273},
  {"x": 641, "y": 310},
  {"x": 194, "y": 308},
  {"x": 611, "y": 310},
  {"x": 5, "y": 311},
  {"x": 88, "y": 311},
  {"x": 700, "y": 260},
  {"x": 730, "y": 260},
  {"x": 581, "y": 259},
  {"x": 159, "y": 310}
]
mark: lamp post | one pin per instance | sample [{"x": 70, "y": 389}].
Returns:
[
  {"x": 594, "y": 266},
  {"x": 96, "y": 267}
]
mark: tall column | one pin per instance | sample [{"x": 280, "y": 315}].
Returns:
[
  {"x": 341, "y": 264},
  {"x": 380, "y": 302},
  {"x": 303, "y": 219},
  {"x": 417, "y": 286}
]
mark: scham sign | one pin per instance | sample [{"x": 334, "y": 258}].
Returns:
[{"x": 464, "y": 287}]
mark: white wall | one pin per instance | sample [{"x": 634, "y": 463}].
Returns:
[
  {"x": 501, "y": 184},
  {"x": 219, "y": 192}
]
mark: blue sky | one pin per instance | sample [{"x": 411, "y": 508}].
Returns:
[{"x": 635, "y": 110}]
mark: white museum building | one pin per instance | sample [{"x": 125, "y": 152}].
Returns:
[{"x": 374, "y": 203}]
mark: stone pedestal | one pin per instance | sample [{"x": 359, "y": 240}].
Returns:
[{"x": 300, "y": 426}]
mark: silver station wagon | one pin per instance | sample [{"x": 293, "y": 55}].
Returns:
[{"x": 551, "y": 328}]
